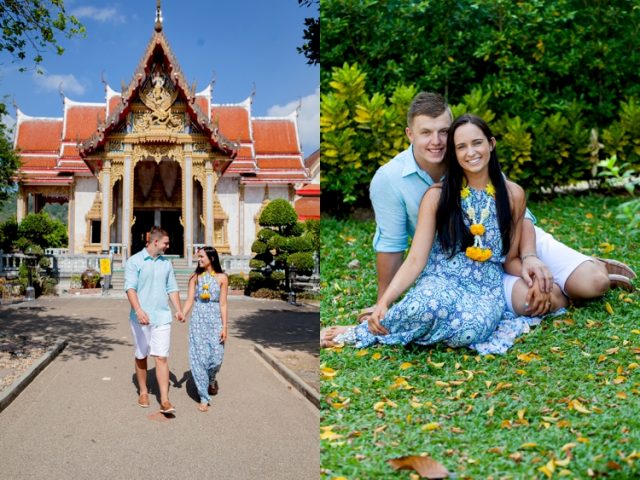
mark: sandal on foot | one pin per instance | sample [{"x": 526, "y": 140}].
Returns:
[
  {"x": 364, "y": 313},
  {"x": 143, "y": 400},
  {"x": 166, "y": 407},
  {"x": 614, "y": 267},
  {"x": 621, "y": 281}
]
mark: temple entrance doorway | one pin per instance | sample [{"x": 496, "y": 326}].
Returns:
[
  {"x": 169, "y": 220},
  {"x": 158, "y": 202}
]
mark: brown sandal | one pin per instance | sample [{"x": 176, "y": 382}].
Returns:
[
  {"x": 614, "y": 267},
  {"x": 621, "y": 281},
  {"x": 364, "y": 313}
]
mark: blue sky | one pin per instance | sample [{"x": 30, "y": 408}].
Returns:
[{"x": 240, "y": 43}]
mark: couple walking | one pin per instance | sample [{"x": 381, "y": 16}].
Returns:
[
  {"x": 481, "y": 269},
  {"x": 149, "y": 283}
]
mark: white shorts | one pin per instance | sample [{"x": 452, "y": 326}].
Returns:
[
  {"x": 151, "y": 339},
  {"x": 560, "y": 259}
]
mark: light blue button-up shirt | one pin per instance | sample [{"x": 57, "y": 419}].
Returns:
[
  {"x": 153, "y": 280},
  {"x": 396, "y": 191}
]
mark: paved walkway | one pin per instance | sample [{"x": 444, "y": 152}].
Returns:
[{"x": 80, "y": 418}]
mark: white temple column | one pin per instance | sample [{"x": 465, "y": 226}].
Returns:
[
  {"x": 187, "y": 179},
  {"x": 241, "y": 219},
  {"x": 21, "y": 209},
  {"x": 127, "y": 205},
  {"x": 106, "y": 200},
  {"x": 71, "y": 220},
  {"x": 208, "y": 202}
]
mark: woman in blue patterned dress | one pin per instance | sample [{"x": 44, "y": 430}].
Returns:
[
  {"x": 208, "y": 288},
  {"x": 467, "y": 234}
]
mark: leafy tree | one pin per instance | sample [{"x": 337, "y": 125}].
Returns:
[
  {"x": 33, "y": 25},
  {"x": 40, "y": 230},
  {"x": 282, "y": 243},
  {"x": 311, "y": 46},
  {"x": 27, "y": 29}
]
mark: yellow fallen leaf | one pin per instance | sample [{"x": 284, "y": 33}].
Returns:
[
  {"x": 621, "y": 395},
  {"x": 548, "y": 469},
  {"x": 376, "y": 356},
  {"x": 516, "y": 457},
  {"x": 589, "y": 215},
  {"x": 356, "y": 390},
  {"x": 415, "y": 404},
  {"x": 633, "y": 366},
  {"x": 562, "y": 463},
  {"x": 608, "y": 308},
  {"x": 379, "y": 406},
  {"x": 602, "y": 358},
  {"x": 406, "y": 365},
  {"x": 436, "y": 365},
  {"x": 606, "y": 247},
  {"x": 577, "y": 406},
  {"x": 440, "y": 383},
  {"x": 328, "y": 433},
  {"x": 430, "y": 426},
  {"x": 426, "y": 466},
  {"x": 528, "y": 357},
  {"x": 583, "y": 440},
  {"x": 490, "y": 411},
  {"x": 521, "y": 372},
  {"x": 529, "y": 445},
  {"x": 362, "y": 353},
  {"x": 612, "y": 351},
  {"x": 636, "y": 331},
  {"x": 568, "y": 446},
  {"x": 619, "y": 380},
  {"x": 328, "y": 372}
]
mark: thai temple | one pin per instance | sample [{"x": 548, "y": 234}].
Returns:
[{"x": 160, "y": 153}]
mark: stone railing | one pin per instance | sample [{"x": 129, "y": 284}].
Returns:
[
  {"x": 10, "y": 262},
  {"x": 235, "y": 263},
  {"x": 56, "y": 251}
]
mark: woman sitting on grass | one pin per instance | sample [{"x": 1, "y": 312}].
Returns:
[{"x": 467, "y": 234}]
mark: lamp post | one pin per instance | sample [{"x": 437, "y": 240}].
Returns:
[{"x": 292, "y": 292}]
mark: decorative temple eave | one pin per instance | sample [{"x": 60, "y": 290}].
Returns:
[{"x": 159, "y": 44}]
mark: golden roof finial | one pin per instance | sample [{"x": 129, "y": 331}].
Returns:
[{"x": 158, "y": 17}]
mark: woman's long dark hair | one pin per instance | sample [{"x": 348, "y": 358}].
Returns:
[
  {"x": 212, "y": 253},
  {"x": 453, "y": 234}
]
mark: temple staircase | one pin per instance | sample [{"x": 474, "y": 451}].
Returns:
[{"x": 182, "y": 270}]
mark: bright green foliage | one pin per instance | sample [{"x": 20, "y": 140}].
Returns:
[
  {"x": 303, "y": 261},
  {"x": 40, "y": 230},
  {"x": 280, "y": 214},
  {"x": 31, "y": 27},
  {"x": 359, "y": 133},
  {"x": 562, "y": 77},
  {"x": 282, "y": 238}
]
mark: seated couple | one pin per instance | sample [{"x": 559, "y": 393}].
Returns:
[{"x": 481, "y": 269}]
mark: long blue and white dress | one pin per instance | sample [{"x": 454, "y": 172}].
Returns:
[
  {"x": 457, "y": 301},
  {"x": 205, "y": 327}
]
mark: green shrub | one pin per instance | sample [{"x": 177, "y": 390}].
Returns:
[
  {"x": 49, "y": 286},
  {"x": 258, "y": 247},
  {"x": 237, "y": 282},
  {"x": 253, "y": 275},
  {"x": 278, "y": 276},
  {"x": 303, "y": 261},
  {"x": 8, "y": 234},
  {"x": 297, "y": 244},
  {"x": 257, "y": 264},
  {"x": 265, "y": 234},
  {"x": 278, "y": 213},
  {"x": 267, "y": 293},
  {"x": 275, "y": 242}
]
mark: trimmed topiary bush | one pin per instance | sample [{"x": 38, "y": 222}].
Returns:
[{"x": 303, "y": 261}]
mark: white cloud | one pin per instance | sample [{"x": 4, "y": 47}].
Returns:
[
  {"x": 308, "y": 119},
  {"x": 110, "y": 14},
  {"x": 69, "y": 83}
]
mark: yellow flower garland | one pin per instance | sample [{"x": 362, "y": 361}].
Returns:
[
  {"x": 205, "y": 295},
  {"x": 477, "y": 252}
]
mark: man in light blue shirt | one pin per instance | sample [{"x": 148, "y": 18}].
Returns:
[
  {"x": 397, "y": 189},
  {"x": 149, "y": 281}
]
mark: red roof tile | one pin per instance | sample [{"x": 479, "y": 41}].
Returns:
[
  {"x": 82, "y": 121},
  {"x": 29, "y": 163},
  {"x": 39, "y": 135},
  {"x": 233, "y": 121},
  {"x": 289, "y": 163},
  {"x": 275, "y": 136},
  {"x": 308, "y": 208},
  {"x": 114, "y": 103}
]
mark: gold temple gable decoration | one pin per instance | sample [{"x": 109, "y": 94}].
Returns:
[
  {"x": 157, "y": 152},
  {"x": 159, "y": 94},
  {"x": 220, "y": 226}
]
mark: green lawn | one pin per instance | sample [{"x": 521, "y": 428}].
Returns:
[{"x": 562, "y": 403}]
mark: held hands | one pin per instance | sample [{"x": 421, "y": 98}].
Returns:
[
  {"x": 532, "y": 266},
  {"x": 180, "y": 316},
  {"x": 375, "y": 327},
  {"x": 539, "y": 302}
]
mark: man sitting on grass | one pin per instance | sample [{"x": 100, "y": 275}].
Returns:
[{"x": 552, "y": 272}]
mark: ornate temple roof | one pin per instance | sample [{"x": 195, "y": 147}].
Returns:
[{"x": 263, "y": 150}]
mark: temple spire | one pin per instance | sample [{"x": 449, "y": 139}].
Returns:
[{"x": 158, "y": 17}]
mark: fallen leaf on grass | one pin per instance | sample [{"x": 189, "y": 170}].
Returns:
[
  {"x": 426, "y": 466},
  {"x": 577, "y": 406},
  {"x": 376, "y": 356},
  {"x": 406, "y": 365},
  {"x": 608, "y": 308},
  {"x": 516, "y": 457},
  {"x": 430, "y": 427},
  {"x": 435, "y": 365},
  {"x": 327, "y": 433},
  {"x": 606, "y": 247},
  {"x": 548, "y": 469},
  {"x": 328, "y": 372},
  {"x": 362, "y": 353},
  {"x": 528, "y": 357}
]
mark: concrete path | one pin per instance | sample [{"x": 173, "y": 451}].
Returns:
[{"x": 80, "y": 418}]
